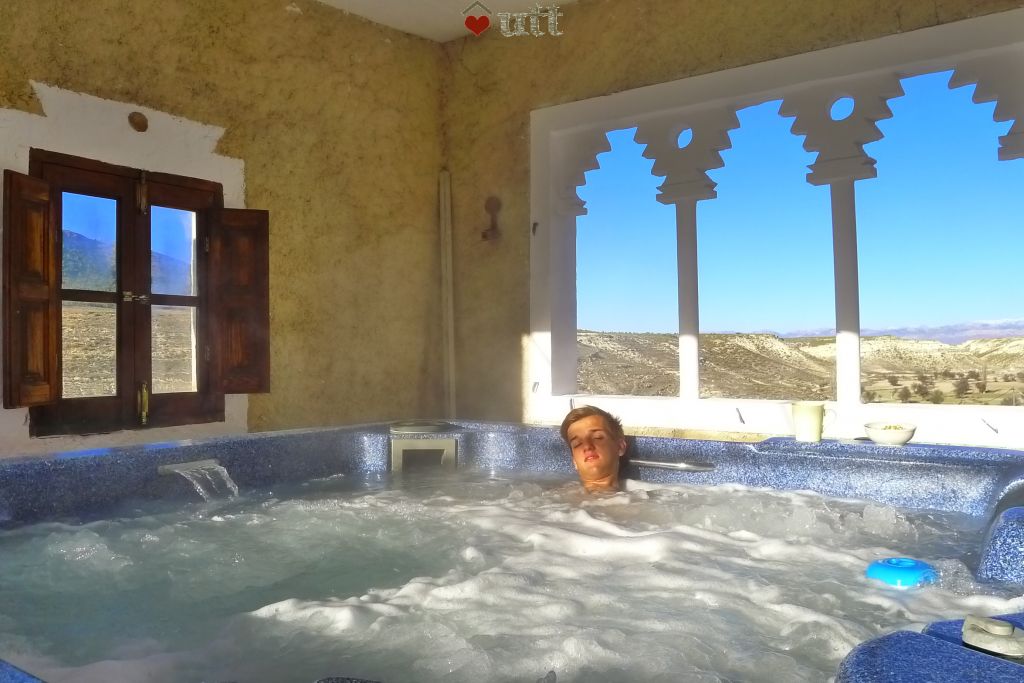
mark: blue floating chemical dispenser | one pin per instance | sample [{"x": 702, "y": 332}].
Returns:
[{"x": 902, "y": 572}]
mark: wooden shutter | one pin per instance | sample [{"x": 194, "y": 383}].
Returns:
[
  {"x": 31, "y": 294},
  {"x": 240, "y": 300}
]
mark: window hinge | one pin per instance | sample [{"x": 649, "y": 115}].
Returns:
[
  {"x": 206, "y": 352},
  {"x": 206, "y": 244},
  {"x": 142, "y": 194}
]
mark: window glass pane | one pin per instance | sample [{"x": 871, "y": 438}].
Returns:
[
  {"x": 764, "y": 252},
  {"x": 173, "y": 241},
  {"x": 939, "y": 234},
  {"x": 174, "y": 349},
  {"x": 626, "y": 281},
  {"x": 89, "y": 230},
  {"x": 89, "y": 356}
]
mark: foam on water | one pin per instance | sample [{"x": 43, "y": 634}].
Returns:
[{"x": 477, "y": 580}]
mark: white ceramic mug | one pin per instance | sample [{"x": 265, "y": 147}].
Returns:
[{"x": 808, "y": 420}]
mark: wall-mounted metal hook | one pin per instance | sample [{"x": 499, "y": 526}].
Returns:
[{"x": 492, "y": 205}]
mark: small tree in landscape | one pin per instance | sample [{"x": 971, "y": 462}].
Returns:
[
  {"x": 904, "y": 395},
  {"x": 973, "y": 374},
  {"x": 1020, "y": 376},
  {"x": 980, "y": 386},
  {"x": 868, "y": 396},
  {"x": 893, "y": 380},
  {"x": 961, "y": 387},
  {"x": 947, "y": 374},
  {"x": 937, "y": 396},
  {"x": 1007, "y": 377},
  {"x": 921, "y": 389}
]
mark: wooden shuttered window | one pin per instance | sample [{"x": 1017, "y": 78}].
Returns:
[
  {"x": 240, "y": 293},
  {"x": 31, "y": 294},
  {"x": 229, "y": 304}
]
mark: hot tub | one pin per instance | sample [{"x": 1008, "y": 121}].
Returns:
[{"x": 481, "y": 560}]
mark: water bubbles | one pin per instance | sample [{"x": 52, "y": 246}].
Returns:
[{"x": 464, "y": 580}]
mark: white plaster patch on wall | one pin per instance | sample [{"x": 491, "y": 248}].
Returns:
[{"x": 87, "y": 126}]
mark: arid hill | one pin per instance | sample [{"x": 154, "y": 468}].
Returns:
[{"x": 771, "y": 367}]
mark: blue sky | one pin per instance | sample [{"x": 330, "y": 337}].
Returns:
[
  {"x": 95, "y": 217},
  {"x": 940, "y": 230}
]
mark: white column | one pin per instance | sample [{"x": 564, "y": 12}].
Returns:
[
  {"x": 844, "y": 248},
  {"x": 841, "y": 161},
  {"x": 689, "y": 318},
  {"x": 563, "y": 303},
  {"x": 572, "y": 155},
  {"x": 686, "y": 183}
]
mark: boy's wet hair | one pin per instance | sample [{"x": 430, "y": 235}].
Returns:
[{"x": 577, "y": 414}]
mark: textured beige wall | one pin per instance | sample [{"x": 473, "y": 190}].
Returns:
[
  {"x": 338, "y": 123},
  {"x": 492, "y": 83}
]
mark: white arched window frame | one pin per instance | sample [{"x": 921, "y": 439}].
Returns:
[{"x": 566, "y": 139}]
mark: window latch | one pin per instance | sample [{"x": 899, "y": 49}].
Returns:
[
  {"x": 128, "y": 297},
  {"x": 142, "y": 403}
]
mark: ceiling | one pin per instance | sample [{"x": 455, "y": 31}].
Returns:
[{"x": 439, "y": 20}]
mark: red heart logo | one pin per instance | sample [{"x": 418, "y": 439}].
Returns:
[{"x": 478, "y": 24}]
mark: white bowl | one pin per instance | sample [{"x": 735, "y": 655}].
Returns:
[{"x": 890, "y": 433}]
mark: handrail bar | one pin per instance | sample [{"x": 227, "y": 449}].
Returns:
[{"x": 682, "y": 466}]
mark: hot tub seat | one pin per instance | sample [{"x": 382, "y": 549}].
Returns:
[{"x": 907, "y": 657}]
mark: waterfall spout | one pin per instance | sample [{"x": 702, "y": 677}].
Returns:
[{"x": 207, "y": 477}]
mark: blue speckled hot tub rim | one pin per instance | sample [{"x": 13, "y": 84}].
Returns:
[{"x": 982, "y": 482}]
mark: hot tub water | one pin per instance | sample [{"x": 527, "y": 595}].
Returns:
[{"x": 470, "y": 579}]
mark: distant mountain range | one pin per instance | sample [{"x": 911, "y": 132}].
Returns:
[
  {"x": 89, "y": 264},
  {"x": 954, "y": 333}
]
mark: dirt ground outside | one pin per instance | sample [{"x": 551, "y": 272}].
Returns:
[
  {"x": 89, "y": 350},
  {"x": 765, "y": 366}
]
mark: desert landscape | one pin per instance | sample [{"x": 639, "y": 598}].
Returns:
[
  {"x": 88, "y": 353},
  {"x": 89, "y": 330},
  {"x": 766, "y": 366}
]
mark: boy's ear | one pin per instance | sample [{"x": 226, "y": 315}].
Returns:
[{"x": 622, "y": 447}]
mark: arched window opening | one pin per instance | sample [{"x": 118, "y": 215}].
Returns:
[
  {"x": 940, "y": 234},
  {"x": 626, "y": 278},
  {"x": 766, "y": 287}
]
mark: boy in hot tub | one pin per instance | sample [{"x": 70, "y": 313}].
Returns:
[{"x": 598, "y": 443}]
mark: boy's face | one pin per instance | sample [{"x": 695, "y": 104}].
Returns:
[{"x": 595, "y": 453}]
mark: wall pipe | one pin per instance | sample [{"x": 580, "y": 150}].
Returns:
[{"x": 444, "y": 191}]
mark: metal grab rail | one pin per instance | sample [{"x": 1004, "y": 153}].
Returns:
[{"x": 683, "y": 466}]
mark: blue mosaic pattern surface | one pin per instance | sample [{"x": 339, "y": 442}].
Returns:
[
  {"x": 12, "y": 674},
  {"x": 905, "y": 657},
  {"x": 1003, "y": 555}
]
